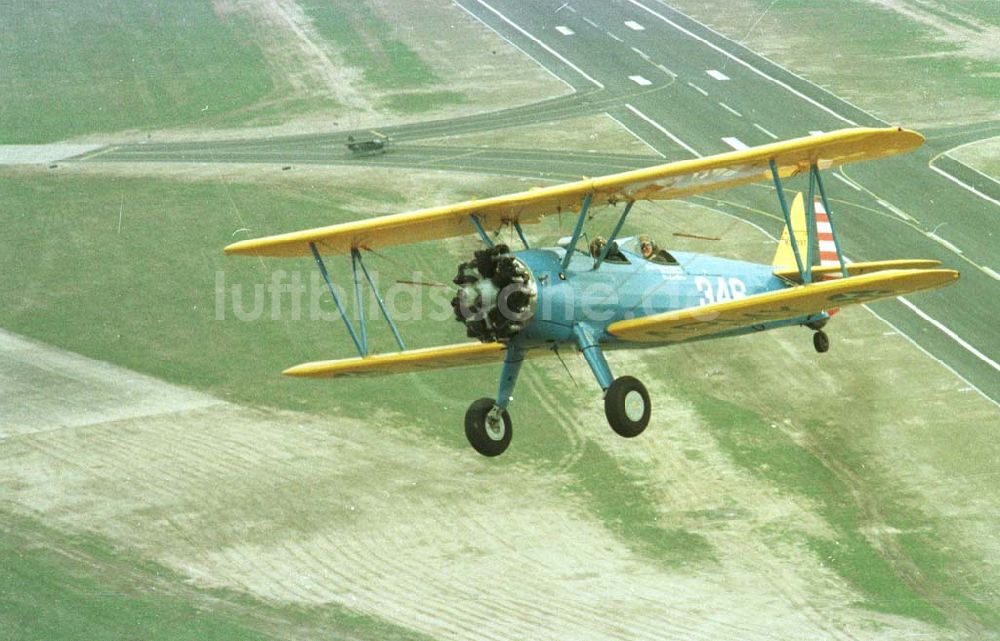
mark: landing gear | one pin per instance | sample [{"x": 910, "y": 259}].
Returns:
[
  {"x": 821, "y": 342},
  {"x": 488, "y": 427},
  {"x": 627, "y": 406}
]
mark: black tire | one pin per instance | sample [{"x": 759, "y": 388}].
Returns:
[
  {"x": 482, "y": 438},
  {"x": 626, "y": 417},
  {"x": 821, "y": 342}
]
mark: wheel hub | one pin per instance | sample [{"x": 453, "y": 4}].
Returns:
[
  {"x": 494, "y": 425},
  {"x": 497, "y": 295},
  {"x": 635, "y": 406}
]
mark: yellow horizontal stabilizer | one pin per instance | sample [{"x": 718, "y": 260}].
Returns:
[
  {"x": 413, "y": 360},
  {"x": 857, "y": 269},
  {"x": 672, "y": 180},
  {"x": 802, "y": 300}
]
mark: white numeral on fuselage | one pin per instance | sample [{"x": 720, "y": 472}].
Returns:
[{"x": 722, "y": 290}]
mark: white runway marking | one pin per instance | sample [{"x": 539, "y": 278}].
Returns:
[
  {"x": 955, "y": 337},
  {"x": 592, "y": 23},
  {"x": 666, "y": 71},
  {"x": 639, "y": 80},
  {"x": 963, "y": 185},
  {"x": 697, "y": 88},
  {"x": 846, "y": 181},
  {"x": 718, "y": 75},
  {"x": 816, "y": 132},
  {"x": 611, "y": 35},
  {"x": 663, "y": 130},
  {"x": 542, "y": 44},
  {"x": 640, "y": 52},
  {"x": 990, "y": 272},
  {"x": 730, "y": 110},
  {"x": 746, "y": 64},
  {"x": 896, "y": 210},
  {"x": 944, "y": 242},
  {"x": 735, "y": 143},
  {"x": 637, "y": 136},
  {"x": 634, "y": 26},
  {"x": 765, "y": 131},
  {"x": 566, "y": 31}
]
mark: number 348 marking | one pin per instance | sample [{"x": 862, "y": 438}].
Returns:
[{"x": 719, "y": 289}]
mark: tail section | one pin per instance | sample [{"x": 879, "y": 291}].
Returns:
[{"x": 784, "y": 257}]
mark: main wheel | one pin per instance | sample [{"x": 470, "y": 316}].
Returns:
[
  {"x": 821, "y": 342},
  {"x": 626, "y": 404},
  {"x": 487, "y": 427}
]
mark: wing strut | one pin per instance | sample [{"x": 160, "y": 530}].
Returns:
[
  {"x": 576, "y": 231},
  {"x": 829, "y": 216},
  {"x": 361, "y": 344},
  {"x": 813, "y": 248},
  {"x": 614, "y": 234}
]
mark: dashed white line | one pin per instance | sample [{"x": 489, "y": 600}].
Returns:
[
  {"x": 666, "y": 71},
  {"x": 718, "y": 75},
  {"x": 637, "y": 136},
  {"x": 516, "y": 46},
  {"x": 570, "y": 8},
  {"x": 566, "y": 31},
  {"x": 744, "y": 63},
  {"x": 816, "y": 132},
  {"x": 765, "y": 131},
  {"x": 663, "y": 130},
  {"x": 641, "y": 53},
  {"x": 955, "y": 337},
  {"x": 697, "y": 88},
  {"x": 639, "y": 80},
  {"x": 634, "y": 26},
  {"x": 730, "y": 110},
  {"x": 592, "y": 23},
  {"x": 613, "y": 36},
  {"x": 964, "y": 186},
  {"x": 847, "y": 181},
  {"x": 735, "y": 143},
  {"x": 541, "y": 44}
]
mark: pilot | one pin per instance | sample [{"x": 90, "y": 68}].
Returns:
[
  {"x": 597, "y": 246},
  {"x": 647, "y": 246}
]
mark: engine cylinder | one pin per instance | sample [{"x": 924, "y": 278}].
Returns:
[{"x": 497, "y": 295}]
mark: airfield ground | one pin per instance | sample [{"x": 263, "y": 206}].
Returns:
[{"x": 158, "y": 479}]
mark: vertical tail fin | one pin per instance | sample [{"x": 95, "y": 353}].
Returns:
[{"x": 784, "y": 257}]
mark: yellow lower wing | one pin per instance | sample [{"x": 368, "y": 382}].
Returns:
[
  {"x": 413, "y": 360},
  {"x": 803, "y": 300},
  {"x": 856, "y": 269}
]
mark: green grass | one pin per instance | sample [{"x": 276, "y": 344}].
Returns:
[
  {"x": 57, "y": 586},
  {"x": 755, "y": 444},
  {"x": 368, "y": 42},
  {"x": 72, "y": 68},
  {"x": 419, "y": 102}
]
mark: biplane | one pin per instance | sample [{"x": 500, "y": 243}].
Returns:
[{"x": 620, "y": 294}]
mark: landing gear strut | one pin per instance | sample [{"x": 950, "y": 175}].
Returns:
[
  {"x": 488, "y": 427},
  {"x": 627, "y": 406},
  {"x": 821, "y": 342}
]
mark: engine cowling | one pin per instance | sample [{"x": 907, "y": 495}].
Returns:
[{"x": 497, "y": 295}]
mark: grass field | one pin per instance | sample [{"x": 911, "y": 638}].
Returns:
[
  {"x": 921, "y": 64},
  {"x": 101, "y": 66}
]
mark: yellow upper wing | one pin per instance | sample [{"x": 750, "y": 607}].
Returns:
[
  {"x": 803, "y": 300},
  {"x": 672, "y": 180}
]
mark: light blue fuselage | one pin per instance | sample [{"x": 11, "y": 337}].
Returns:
[{"x": 596, "y": 298}]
